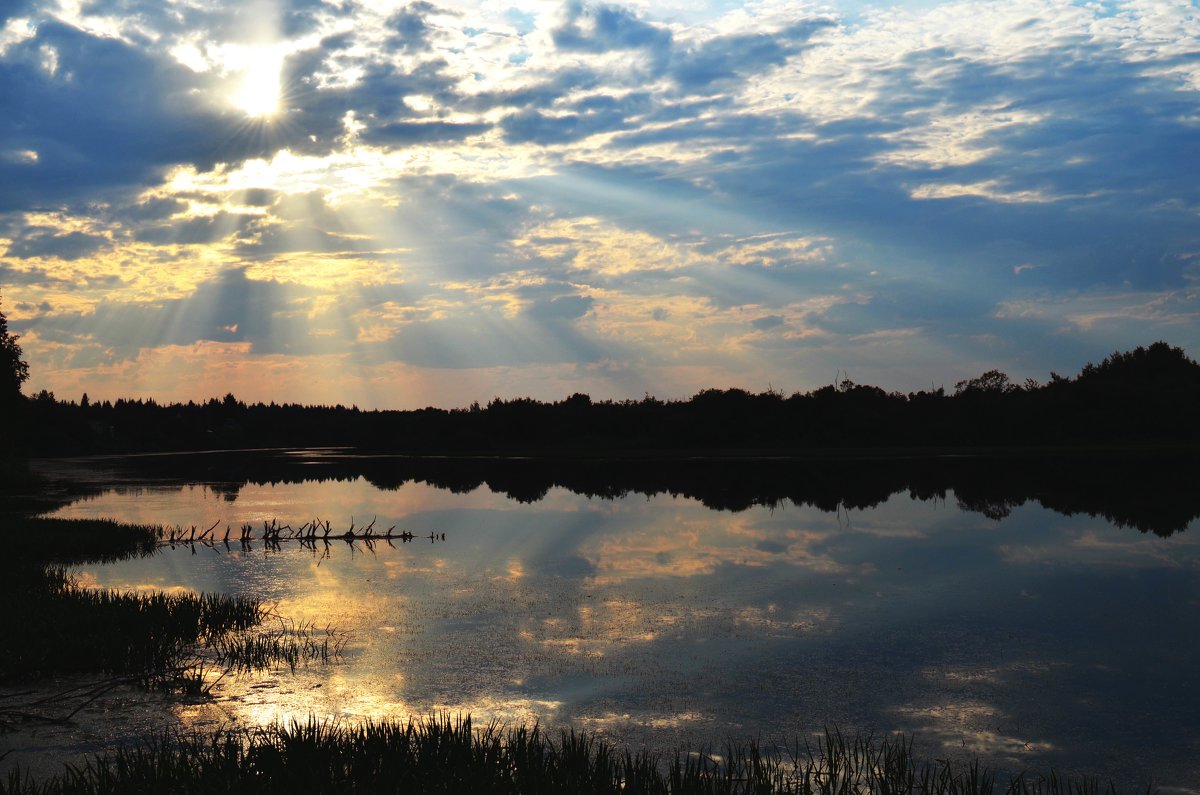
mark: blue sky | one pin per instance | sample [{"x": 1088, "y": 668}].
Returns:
[{"x": 397, "y": 204}]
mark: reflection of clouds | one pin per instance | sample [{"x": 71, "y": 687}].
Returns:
[
  {"x": 611, "y": 722},
  {"x": 681, "y": 547},
  {"x": 776, "y": 621},
  {"x": 962, "y": 717},
  {"x": 1108, "y": 547},
  {"x": 691, "y": 626},
  {"x": 973, "y": 729},
  {"x": 398, "y": 568},
  {"x": 599, "y": 628}
]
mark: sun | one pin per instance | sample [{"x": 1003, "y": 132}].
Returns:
[{"x": 259, "y": 92}]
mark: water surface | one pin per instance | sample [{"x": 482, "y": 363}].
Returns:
[{"x": 1034, "y": 639}]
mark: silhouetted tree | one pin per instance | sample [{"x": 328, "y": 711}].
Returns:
[
  {"x": 992, "y": 382},
  {"x": 1144, "y": 397},
  {"x": 1156, "y": 367},
  {"x": 13, "y": 369}
]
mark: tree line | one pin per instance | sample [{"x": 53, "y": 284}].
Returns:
[{"x": 1146, "y": 396}]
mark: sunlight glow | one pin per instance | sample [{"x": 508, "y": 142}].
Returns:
[{"x": 259, "y": 92}]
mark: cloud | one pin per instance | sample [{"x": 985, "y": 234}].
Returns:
[
  {"x": 411, "y": 132},
  {"x": 201, "y": 230},
  {"x": 597, "y": 113},
  {"x": 24, "y": 276},
  {"x": 738, "y": 55},
  {"x": 481, "y": 340},
  {"x": 565, "y": 307},
  {"x": 42, "y": 242},
  {"x": 767, "y": 322},
  {"x": 735, "y": 190},
  {"x": 410, "y": 27},
  {"x": 605, "y": 28},
  {"x": 153, "y": 209},
  {"x": 99, "y": 113},
  {"x": 230, "y": 308}
]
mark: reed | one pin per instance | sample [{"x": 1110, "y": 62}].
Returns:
[
  {"x": 183, "y": 642},
  {"x": 449, "y": 755},
  {"x": 35, "y": 540},
  {"x": 69, "y": 629},
  {"x": 283, "y": 643}
]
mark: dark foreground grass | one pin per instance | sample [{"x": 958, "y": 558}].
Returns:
[
  {"x": 72, "y": 630},
  {"x": 34, "y": 541},
  {"x": 56, "y": 627},
  {"x": 445, "y": 755},
  {"x": 51, "y": 626}
]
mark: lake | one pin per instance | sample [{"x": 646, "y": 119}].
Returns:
[{"x": 679, "y": 605}]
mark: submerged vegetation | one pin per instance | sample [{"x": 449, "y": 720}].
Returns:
[
  {"x": 443, "y": 754},
  {"x": 1144, "y": 397}
]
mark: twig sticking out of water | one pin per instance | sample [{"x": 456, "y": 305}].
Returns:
[{"x": 307, "y": 535}]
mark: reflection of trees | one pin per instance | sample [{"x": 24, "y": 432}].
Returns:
[
  {"x": 991, "y": 507},
  {"x": 1153, "y": 494}
]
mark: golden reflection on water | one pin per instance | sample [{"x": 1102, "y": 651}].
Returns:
[
  {"x": 661, "y": 622},
  {"x": 456, "y": 627}
]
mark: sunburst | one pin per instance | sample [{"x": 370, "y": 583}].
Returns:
[{"x": 259, "y": 91}]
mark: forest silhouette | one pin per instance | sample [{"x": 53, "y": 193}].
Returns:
[{"x": 1143, "y": 397}]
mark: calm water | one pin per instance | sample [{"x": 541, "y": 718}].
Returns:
[{"x": 1035, "y": 640}]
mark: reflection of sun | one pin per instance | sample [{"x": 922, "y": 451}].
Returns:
[{"x": 258, "y": 94}]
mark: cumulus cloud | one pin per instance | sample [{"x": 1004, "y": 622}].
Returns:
[{"x": 98, "y": 113}]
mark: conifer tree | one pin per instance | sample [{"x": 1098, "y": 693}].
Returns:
[{"x": 13, "y": 369}]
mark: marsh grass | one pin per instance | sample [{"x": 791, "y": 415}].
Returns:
[
  {"x": 280, "y": 643},
  {"x": 451, "y": 755},
  {"x": 69, "y": 629},
  {"x": 51, "y": 626},
  {"x": 40, "y": 541}
]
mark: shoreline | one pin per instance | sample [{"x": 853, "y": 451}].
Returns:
[{"x": 677, "y": 454}]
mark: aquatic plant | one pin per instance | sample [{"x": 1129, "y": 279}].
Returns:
[
  {"x": 148, "y": 634},
  {"x": 31, "y": 541},
  {"x": 283, "y": 643},
  {"x": 185, "y": 642},
  {"x": 451, "y": 755}
]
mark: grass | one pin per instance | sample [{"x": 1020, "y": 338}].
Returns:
[
  {"x": 185, "y": 642},
  {"x": 76, "y": 630},
  {"x": 448, "y": 755},
  {"x": 33, "y": 542},
  {"x": 282, "y": 643}
]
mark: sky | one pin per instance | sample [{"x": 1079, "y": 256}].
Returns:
[{"x": 395, "y": 205}]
